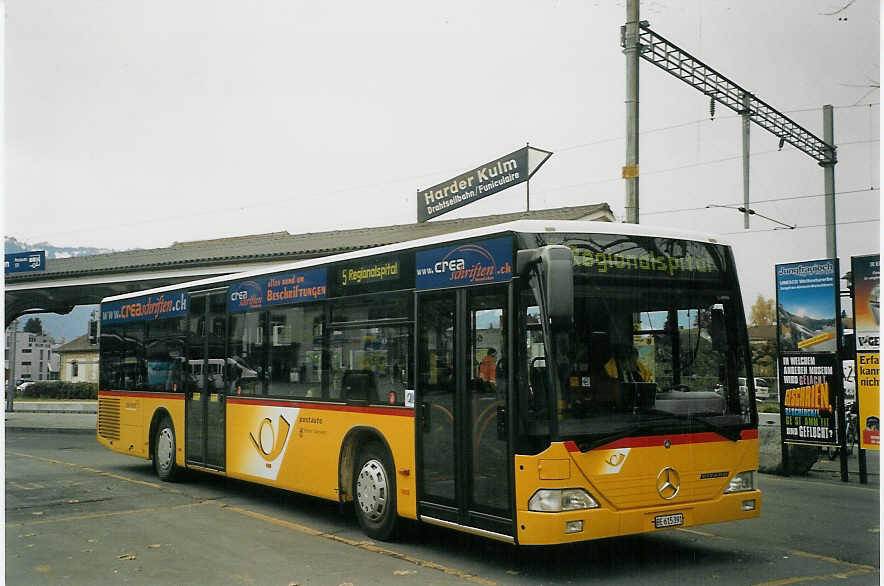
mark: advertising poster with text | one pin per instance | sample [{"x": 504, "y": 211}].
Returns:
[
  {"x": 808, "y": 387},
  {"x": 296, "y": 287},
  {"x": 807, "y": 306},
  {"x": 866, "y": 271},
  {"x": 473, "y": 263}
]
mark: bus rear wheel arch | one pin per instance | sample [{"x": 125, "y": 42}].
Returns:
[{"x": 374, "y": 491}]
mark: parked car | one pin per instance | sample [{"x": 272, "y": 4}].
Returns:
[
  {"x": 762, "y": 389},
  {"x": 21, "y": 388}
]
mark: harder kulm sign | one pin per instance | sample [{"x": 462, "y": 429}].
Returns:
[{"x": 488, "y": 179}]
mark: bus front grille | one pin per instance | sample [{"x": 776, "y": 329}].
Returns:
[{"x": 109, "y": 417}]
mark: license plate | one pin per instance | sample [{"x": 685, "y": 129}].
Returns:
[{"x": 669, "y": 520}]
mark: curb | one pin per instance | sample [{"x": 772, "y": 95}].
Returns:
[
  {"x": 76, "y": 430},
  {"x": 54, "y": 411}
]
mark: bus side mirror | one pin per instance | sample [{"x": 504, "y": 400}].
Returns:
[
  {"x": 555, "y": 264},
  {"x": 559, "y": 264}
]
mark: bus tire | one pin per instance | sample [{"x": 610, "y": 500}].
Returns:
[
  {"x": 374, "y": 492},
  {"x": 164, "y": 451}
]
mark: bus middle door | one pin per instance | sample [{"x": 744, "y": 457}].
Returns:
[
  {"x": 464, "y": 471},
  {"x": 205, "y": 417}
]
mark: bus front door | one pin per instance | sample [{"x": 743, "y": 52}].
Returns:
[
  {"x": 205, "y": 404},
  {"x": 464, "y": 471}
]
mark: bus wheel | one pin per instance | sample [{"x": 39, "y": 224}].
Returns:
[
  {"x": 374, "y": 491},
  {"x": 164, "y": 451}
]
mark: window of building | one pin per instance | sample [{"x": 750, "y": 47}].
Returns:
[
  {"x": 75, "y": 369},
  {"x": 25, "y": 350}
]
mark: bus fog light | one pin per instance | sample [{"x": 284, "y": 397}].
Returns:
[
  {"x": 749, "y": 505},
  {"x": 741, "y": 482},
  {"x": 574, "y": 526},
  {"x": 552, "y": 500}
]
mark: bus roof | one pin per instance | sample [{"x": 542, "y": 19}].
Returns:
[{"x": 524, "y": 226}]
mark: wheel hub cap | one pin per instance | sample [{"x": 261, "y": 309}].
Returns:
[
  {"x": 371, "y": 489},
  {"x": 164, "y": 449}
]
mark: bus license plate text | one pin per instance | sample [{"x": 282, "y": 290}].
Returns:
[{"x": 669, "y": 520}]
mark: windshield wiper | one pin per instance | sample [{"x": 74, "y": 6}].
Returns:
[
  {"x": 586, "y": 446},
  {"x": 641, "y": 425},
  {"x": 731, "y": 432},
  {"x": 662, "y": 419}
]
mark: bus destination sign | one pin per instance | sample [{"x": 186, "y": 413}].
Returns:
[
  {"x": 379, "y": 271},
  {"x": 605, "y": 256}
]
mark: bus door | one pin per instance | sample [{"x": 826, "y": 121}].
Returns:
[
  {"x": 464, "y": 472},
  {"x": 205, "y": 404}
]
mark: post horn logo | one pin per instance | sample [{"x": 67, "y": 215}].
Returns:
[
  {"x": 668, "y": 483},
  {"x": 268, "y": 444},
  {"x": 615, "y": 459}
]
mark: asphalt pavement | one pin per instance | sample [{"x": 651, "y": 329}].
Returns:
[{"x": 81, "y": 416}]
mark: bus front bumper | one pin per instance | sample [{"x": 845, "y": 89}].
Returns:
[{"x": 535, "y": 528}]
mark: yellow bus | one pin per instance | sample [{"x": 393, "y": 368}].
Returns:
[{"x": 535, "y": 382}]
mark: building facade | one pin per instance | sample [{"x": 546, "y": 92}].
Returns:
[
  {"x": 35, "y": 358},
  {"x": 78, "y": 361}
]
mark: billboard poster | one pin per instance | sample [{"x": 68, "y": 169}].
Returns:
[
  {"x": 807, "y": 306},
  {"x": 25, "y": 262},
  {"x": 866, "y": 272},
  {"x": 808, "y": 388},
  {"x": 285, "y": 288},
  {"x": 472, "y": 263},
  {"x": 868, "y": 387},
  {"x": 488, "y": 179},
  {"x": 147, "y": 307}
]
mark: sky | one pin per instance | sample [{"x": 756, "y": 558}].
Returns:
[{"x": 139, "y": 124}]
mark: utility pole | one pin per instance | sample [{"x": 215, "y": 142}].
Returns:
[
  {"x": 677, "y": 62},
  {"x": 746, "y": 119},
  {"x": 631, "y": 50},
  {"x": 828, "y": 166},
  {"x": 10, "y": 388}
]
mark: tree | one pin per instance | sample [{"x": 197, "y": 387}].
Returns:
[
  {"x": 762, "y": 312},
  {"x": 34, "y": 326}
]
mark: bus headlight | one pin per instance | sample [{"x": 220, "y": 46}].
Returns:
[
  {"x": 742, "y": 482},
  {"x": 551, "y": 500}
]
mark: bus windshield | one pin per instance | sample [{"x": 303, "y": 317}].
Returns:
[{"x": 647, "y": 354}]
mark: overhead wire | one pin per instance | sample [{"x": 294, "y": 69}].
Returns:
[
  {"x": 801, "y": 227},
  {"x": 769, "y": 200},
  {"x": 254, "y": 205}
]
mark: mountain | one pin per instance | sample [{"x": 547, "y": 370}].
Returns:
[
  {"x": 12, "y": 244},
  {"x": 61, "y": 327}
]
